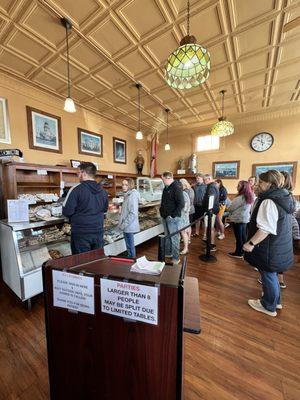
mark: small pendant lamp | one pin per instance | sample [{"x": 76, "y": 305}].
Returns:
[
  {"x": 223, "y": 127},
  {"x": 139, "y": 134},
  {"x": 167, "y": 145},
  {"x": 189, "y": 65},
  {"x": 69, "y": 103}
]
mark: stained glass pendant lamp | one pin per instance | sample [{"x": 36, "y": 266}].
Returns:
[
  {"x": 139, "y": 134},
  {"x": 223, "y": 127},
  {"x": 69, "y": 103},
  {"x": 188, "y": 66},
  {"x": 167, "y": 145}
]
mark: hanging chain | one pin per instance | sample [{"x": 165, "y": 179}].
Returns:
[
  {"x": 188, "y": 17},
  {"x": 167, "y": 125},
  {"x": 139, "y": 101},
  {"x": 68, "y": 62}
]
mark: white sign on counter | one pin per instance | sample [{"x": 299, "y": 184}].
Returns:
[
  {"x": 73, "y": 291},
  {"x": 17, "y": 210},
  {"x": 130, "y": 300}
]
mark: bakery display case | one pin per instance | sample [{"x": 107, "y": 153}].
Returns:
[
  {"x": 150, "y": 189},
  {"x": 25, "y": 247}
]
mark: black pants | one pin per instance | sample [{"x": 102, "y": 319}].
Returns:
[
  {"x": 80, "y": 243},
  {"x": 240, "y": 233}
]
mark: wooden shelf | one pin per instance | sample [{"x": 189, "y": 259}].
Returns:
[{"x": 38, "y": 185}]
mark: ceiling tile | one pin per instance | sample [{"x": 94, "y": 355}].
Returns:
[
  {"x": 75, "y": 11},
  {"x": 246, "y": 11},
  {"x": 97, "y": 105},
  {"x": 165, "y": 94},
  {"x": 110, "y": 38},
  {"x": 5, "y": 5},
  {"x": 134, "y": 63},
  {"x": 111, "y": 97},
  {"x": 26, "y": 45},
  {"x": 255, "y": 63},
  {"x": 245, "y": 40},
  {"x": 136, "y": 15},
  {"x": 110, "y": 75},
  {"x": 287, "y": 70},
  {"x": 152, "y": 81},
  {"x": 290, "y": 51},
  {"x": 253, "y": 81},
  {"x": 218, "y": 76},
  {"x": 218, "y": 54},
  {"x": 84, "y": 55},
  {"x": 162, "y": 46},
  {"x": 91, "y": 85},
  {"x": 48, "y": 80},
  {"x": 14, "y": 63},
  {"x": 60, "y": 66}
]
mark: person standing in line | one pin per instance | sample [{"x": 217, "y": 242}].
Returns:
[
  {"x": 270, "y": 243},
  {"x": 188, "y": 189},
  {"x": 185, "y": 219},
  {"x": 85, "y": 205},
  {"x": 129, "y": 220},
  {"x": 222, "y": 207},
  {"x": 199, "y": 189},
  {"x": 211, "y": 190},
  {"x": 252, "y": 180},
  {"x": 239, "y": 215},
  {"x": 172, "y": 203}
]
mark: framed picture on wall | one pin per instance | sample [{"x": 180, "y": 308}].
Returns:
[
  {"x": 4, "y": 122},
  {"x": 90, "y": 143},
  {"x": 119, "y": 148},
  {"x": 226, "y": 169},
  {"x": 44, "y": 131},
  {"x": 75, "y": 163},
  {"x": 288, "y": 166}
]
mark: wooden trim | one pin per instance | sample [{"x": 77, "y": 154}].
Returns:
[
  {"x": 294, "y": 163},
  {"x": 86, "y": 153},
  {"x": 29, "y": 111},
  {"x": 125, "y": 142},
  {"x": 224, "y": 162}
]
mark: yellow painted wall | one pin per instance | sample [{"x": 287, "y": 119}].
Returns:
[
  {"x": 286, "y": 147},
  {"x": 19, "y": 95}
]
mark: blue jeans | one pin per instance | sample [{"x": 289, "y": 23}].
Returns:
[
  {"x": 172, "y": 245},
  {"x": 271, "y": 289},
  {"x": 80, "y": 243},
  {"x": 129, "y": 241},
  {"x": 240, "y": 236}
]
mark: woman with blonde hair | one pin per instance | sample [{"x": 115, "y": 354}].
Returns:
[
  {"x": 270, "y": 244},
  {"x": 188, "y": 195}
]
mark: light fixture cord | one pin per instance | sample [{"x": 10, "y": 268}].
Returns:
[
  {"x": 167, "y": 126},
  {"x": 223, "y": 94},
  {"x": 68, "y": 62},
  {"x": 139, "y": 101},
  {"x": 188, "y": 17}
]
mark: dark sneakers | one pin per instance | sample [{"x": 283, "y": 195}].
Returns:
[{"x": 235, "y": 255}]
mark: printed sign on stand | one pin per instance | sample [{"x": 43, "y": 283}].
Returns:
[
  {"x": 130, "y": 300},
  {"x": 73, "y": 291}
]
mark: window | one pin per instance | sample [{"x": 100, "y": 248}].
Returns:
[{"x": 208, "y": 142}]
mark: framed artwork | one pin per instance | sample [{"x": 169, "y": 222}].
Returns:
[
  {"x": 90, "y": 143},
  {"x": 44, "y": 131},
  {"x": 226, "y": 169},
  {"x": 4, "y": 123},
  {"x": 288, "y": 166},
  {"x": 75, "y": 163},
  {"x": 119, "y": 147}
]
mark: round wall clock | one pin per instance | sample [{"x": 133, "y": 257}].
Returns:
[{"x": 262, "y": 141}]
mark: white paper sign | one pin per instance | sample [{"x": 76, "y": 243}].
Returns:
[
  {"x": 42, "y": 172},
  {"x": 74, "y": 292},
  {"x": 130, "y": 300},
  {"x": 17, "y": 210},
  {"x": 211, "y": 202}
]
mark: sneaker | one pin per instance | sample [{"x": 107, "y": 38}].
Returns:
[
  {"x": 279, "y": 307},
  {"x": 176, "y": 262},
  {"x": 213, "y": 247},
  {"x": 168, "y": 256},
  {"x": 255, "y": 269},
  {"x": 221, "y": 236},
  {"x": 259, "y": 281},
  {"x": 195, "y": 234},
  {"x": 226, "y": 225},
  {"x": 282, "y": 285},
  {"x": 235, "y": 255},
  {"x": 257, "y": 306}
]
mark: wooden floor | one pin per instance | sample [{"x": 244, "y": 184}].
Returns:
[{"x": 239, "y": 355}]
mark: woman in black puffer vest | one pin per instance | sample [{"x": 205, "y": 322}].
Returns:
[{"x": 270, "y": 244}]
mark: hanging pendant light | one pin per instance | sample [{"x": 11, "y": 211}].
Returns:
[
  {"x": 223, "y": 127},
  {"x": 167, "y": 145},
  {"x": 139, "y": 134},
  {"x": 188, "y": 66},
  {"x": 69, "y": 103}
]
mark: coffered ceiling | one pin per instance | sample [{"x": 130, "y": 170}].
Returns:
[{"x": 115, "y": 43}]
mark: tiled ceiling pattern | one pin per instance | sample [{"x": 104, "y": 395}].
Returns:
[{"x": 115, "y": 43}]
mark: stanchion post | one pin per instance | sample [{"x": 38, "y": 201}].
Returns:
[
  {"x": 161, "y": 248},
  {"x": 208, "y": 257}
]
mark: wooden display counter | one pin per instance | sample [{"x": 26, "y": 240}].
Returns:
[{"x": 94, "y": 354}]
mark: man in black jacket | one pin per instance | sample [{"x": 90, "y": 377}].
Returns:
[
  {"x": 199, "y": 189},
  {"x": 211, "y": 190},
  {"x": 85, "y": 206},
  {"x": 172, "y": 203}
]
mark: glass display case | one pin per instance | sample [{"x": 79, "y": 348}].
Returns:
[
  {"x": 24, "y": 249},
  {"x": 150, "y": 189}
]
